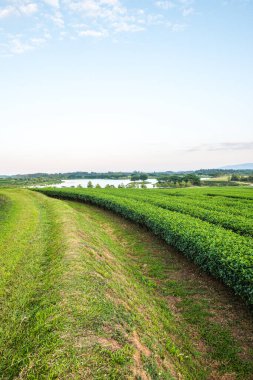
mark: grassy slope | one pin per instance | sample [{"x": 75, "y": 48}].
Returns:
[{"x": 85, "y": 294}]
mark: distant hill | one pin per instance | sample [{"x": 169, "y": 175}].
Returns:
[{"x": 247, "y": 166}]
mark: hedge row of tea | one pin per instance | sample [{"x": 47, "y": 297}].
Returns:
[
  {"x": 219, "y": 251},
  {"x": 228, "y": 193},
  {"x": 240, "y": 221},
  {"x": 237, "y": 206}
]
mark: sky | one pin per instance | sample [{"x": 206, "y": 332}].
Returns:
[{"x": 120, "y": 85}]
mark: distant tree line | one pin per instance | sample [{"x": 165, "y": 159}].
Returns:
[
  {"x": 221, "y": 172},
  {"x": 178, "y": 180},
  {"x": 134, "y": 176},
  {"x": 139, "y": 177},
  {"x": 94, "y": 175}
]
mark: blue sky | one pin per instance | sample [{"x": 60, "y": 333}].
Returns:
[{"x": 125, "y": 85}]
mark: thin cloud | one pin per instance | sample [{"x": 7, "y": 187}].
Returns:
[
  {"x": 57, "y": 19},
  {"x": 165, "y": 4},
  {"x": 177, "y": 27},
  {"x": 28, "y": 9},
  {"x": 186, "y": 7},
  {"x": 93, "y": 33},
  {"x": 6, "y": 12},
  {"x": 19, "y": 9},
  {"x": 18, "y": 44},
  {"x": 52, "y": 3},
  {"x": 222, "y": 147},
  {"x": 102, "y": 18}
]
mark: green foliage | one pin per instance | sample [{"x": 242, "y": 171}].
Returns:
[
  {"x": 109, "y": 186},
  {"x": 202, "y": 209},
  {"x": 132, "y": 185},
  {"x": 86, "y": 295},
  {"x": 139, "y": 177},
  {"x": 135, "y": 177},
  {"x": 178, "y": 180},
  {"x": 221, "y": 172},
  {"x": 220, "y": 251},
  {"x": 235, "y": 177},
  {"x": 193, "y": 178},
  {"x": 143, "y": 177},
  {"x": 240, "y": 178}
]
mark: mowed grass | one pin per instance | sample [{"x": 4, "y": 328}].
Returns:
[{"x": 85, "y": 294}]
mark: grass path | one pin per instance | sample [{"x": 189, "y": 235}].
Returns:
[{"x": 85, "y": 294}]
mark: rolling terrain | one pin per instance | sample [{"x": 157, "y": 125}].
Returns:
[{"x": 87, "y": 294}]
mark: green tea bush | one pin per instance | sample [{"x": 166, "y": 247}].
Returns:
[{"x": 219, "y": 251}]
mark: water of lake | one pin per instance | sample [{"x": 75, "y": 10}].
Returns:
[{"x": 101, "y": 182}]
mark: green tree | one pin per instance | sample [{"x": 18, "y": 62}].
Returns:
[
  {"x": 135, "y": 177},
  {"x": 90, "y": 185},
  {"x": 143, "y": 177},
  {"x": 235, "y": 177},
  {"x": 193, "y": 178}
]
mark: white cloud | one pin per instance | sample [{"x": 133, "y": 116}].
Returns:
[
  {"x": 19, "y": 44},
  {"x": 186, "y": 2},
  {"x": 124, "y": 26},
  {"x": 111, "y": 14},
  {"x": 57, "y": 19},
  {"x": 178, "y": 27},
  {"x": 16, "y": 46},
  {"x": 93, "y": 33},
  {"x": 19, "y": 8},
  {"x": 52, "y": 3},
  {"x": 6, "y": 12},
  {"x": 28, "y": 9},
  {"x": 223, "y": 146},
  {"x": 100, "y": 18},
  {"x": 165, "y": 4},
  {"x": 187, "y": 11},
  {"x": 106, "y": 9},
  {"x": 184, "y": 6}
]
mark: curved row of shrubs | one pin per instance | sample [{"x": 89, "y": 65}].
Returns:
[
  {"x": 222, "y": 253},
  {"x": 235, "y": 206},
  {"x": 240, "y": 193},
  {"x": 221, "y": 216}
]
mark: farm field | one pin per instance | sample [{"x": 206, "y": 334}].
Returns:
[
  {"x": 87, "y": 294},
  {"x": 200, "y": 223}
]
